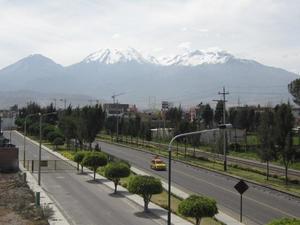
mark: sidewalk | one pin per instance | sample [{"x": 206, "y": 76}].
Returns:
[{"x": 57, "y": 218}]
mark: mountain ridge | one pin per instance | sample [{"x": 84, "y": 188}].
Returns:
[{"x": 104, "y": 72}]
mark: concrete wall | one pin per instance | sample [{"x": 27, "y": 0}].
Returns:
[{"x": 233, "y": 135}]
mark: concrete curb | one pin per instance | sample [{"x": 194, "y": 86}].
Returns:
[
  {"x": 153, "y": 208},
  {"x": 211, "y": 170},
  {"x": 57, "y": 218}
]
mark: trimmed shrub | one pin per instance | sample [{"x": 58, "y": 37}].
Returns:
[
  {"x": 94, "y": 160},
  {"x": 146, "y": 186},
  {"x": 198, "y": 207},
  {"x": 116, "y": 170}
]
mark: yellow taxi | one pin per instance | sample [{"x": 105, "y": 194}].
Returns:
[{"x": 158, "y": 164}]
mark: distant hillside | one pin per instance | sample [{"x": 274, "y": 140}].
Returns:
[{"x": 189, "y": 78}]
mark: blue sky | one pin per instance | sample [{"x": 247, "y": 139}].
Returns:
[{"x": 68, "y": 30}]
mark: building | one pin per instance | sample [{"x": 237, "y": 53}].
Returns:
[
  {"x": 113, "y": 109},
  {"x": 9, "y": 156}
]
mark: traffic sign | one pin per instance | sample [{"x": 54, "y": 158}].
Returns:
[{"x": 241, "y": 187}]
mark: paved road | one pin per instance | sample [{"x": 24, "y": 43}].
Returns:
[
  {"x": 83, "y": 201},
  {"x": 274, "y": 169},
  {"x": 260, "y": 205}
]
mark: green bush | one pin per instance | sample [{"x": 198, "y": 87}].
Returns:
[
  {"x": 285, "y": 221},
  {"x": 146, "y": 186},
  {"x": 198, "y": 207},
  {"x": 116, "y": 170}
]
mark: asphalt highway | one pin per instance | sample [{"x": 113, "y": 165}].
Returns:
[
  {"x": 274, "y": 169},
  {"x": 260, "y": 205},
  {"x": 80, "y": 199}
]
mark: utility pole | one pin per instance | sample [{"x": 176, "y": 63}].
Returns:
[{"x": 224, "y": 93}]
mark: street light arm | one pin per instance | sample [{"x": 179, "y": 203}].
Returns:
[
  {"x": 189, "y": 134},
  {"x": 221, "y": 126}
]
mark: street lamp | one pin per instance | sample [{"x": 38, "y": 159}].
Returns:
[
  {"x": 25, "y": 133},
  {"x": 40, "y": 146},
  {"x": 221, "y": 126}
]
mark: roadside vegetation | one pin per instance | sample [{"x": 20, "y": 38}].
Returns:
[
  {"x": 285, "y": 221},
  {"x": 269, "y": 136},
  {"x": 17, "y": 202}
]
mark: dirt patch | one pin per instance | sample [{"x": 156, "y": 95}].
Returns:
[{"x": 17, "y": 203}]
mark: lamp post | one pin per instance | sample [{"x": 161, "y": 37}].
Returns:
[
  {"x": 222, "y": 126},
  {"x": 25, "y": 133},
  {"x": 40, "y": 146}
]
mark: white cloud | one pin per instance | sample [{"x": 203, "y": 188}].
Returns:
[
  {"x": 115, "y": 36},
  {"x": 184, "y": 45},
  {"x": 184, "y": 29}
]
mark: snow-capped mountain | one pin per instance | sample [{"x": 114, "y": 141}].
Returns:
[
  {"x": 188, "y": 58},
  {"x": 114, "y": 56},
  {"x": 197, "y": 57},
  {"x": 193, "y": 73}
]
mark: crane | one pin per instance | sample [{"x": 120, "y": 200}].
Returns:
[{"x": 116, "y": 95}]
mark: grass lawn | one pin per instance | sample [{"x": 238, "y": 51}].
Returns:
[
  {"x": 245, "y": 155},
  {"x": 252, "y": 139}
]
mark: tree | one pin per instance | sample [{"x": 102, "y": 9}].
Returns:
[
  {"x": 146, "y": 186},
  {"x": 266, "y": 138},
  {"x": 198, "y": 207},
  {"x": 285, "y": 221},
  {"x": 219, "y": 112},
  {"x": 47, "y": 129},
  {"x": 58, "y": 141},
  {"x": 52, "y": 135},
  {"x": 68, "y": 126},
  {"x": 283, "y": 134},
  {"x": 92, "y": 118},
  {"x": 94, "y": 160},
  {"x": 208, "y": 115},
  {"x": 294, "y": 89},
  {"x": 78, "y": 157},
  {"x": 116, "y": 170}
]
